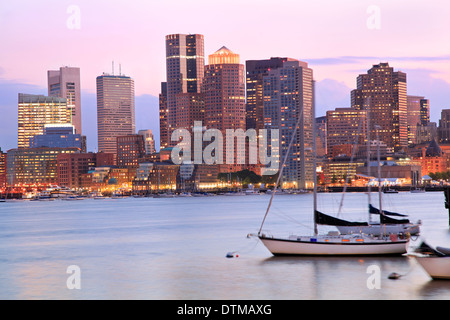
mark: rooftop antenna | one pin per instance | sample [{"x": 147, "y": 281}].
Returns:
[
  {"x": 120, "y": 69},
  {"x": 113, "y": 67}
]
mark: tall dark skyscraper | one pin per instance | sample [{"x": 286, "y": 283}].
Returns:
[
  {"x": 288, "y": 95},
  {"x": 256, "y": 70},
  {"x": 383, "y": 93},
  {"x": 184, "y": 71},
  {"x": 115, "y": 110},
  {"x": 163, "y": 125}
]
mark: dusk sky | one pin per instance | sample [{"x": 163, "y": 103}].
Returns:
[{"x": 339, "y": 40}]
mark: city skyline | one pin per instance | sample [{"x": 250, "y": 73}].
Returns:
[{"x": 333, "y": 52}]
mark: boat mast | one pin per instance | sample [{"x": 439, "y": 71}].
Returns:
[
  {"x": 377, "y": 127},
  {"x": 368, "y": 156}
]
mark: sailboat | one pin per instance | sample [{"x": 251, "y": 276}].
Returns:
[
  {"x": 386, "y": 225},
  {"x": 333, "y": 243},
  {"x": 436, "y": 262}
]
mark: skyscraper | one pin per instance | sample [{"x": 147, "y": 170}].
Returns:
[
  {"x": 383, "y": 93},
  {"x": 224, "y": 91},
  {"x": 418, "y": 115},
  {"x": 35, "y": 111},
  {"x": 288, "y": 94},
  {"x": 256, "y": 70},
  {"x": 115, "y": 110},
  {"x": 345, "y": 126},
  {"x": 184, "y": 71},
  {"x": 65, "y": 83},
  {"x": 163, "y": 113}
]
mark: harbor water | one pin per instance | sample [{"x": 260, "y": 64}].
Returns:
[{"x": 175, "y": 249}]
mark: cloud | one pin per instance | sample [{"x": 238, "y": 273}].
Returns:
[
  {"x": 331, "y": 94},
  {"x": 357, "y": 59}
]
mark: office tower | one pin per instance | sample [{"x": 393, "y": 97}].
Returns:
[
  {"x": 444, "y": 127},
  {"x": 255, "y": 72},
  {"x": 345, "y": 126},
  {"x": 321, "y": 136},
  {"x": 129, "y": 149},
  {"x": 65, "y": 83},
  {"x": 288, "y": 94},
  {"x": 59, "y": 136},
  {"x": 149, "y": 142},
  {"x": 34, "y": 166},
  {"x": 115, "y": 110},
  {"x": 383, "y": 93},
  {"x": 184, "y": 71},
  {"x": 414, "y": 113},
  {"x": 224, "y": 92},
  {"x": 35, "y": 111},
  {"x": 163, "y": 113}
]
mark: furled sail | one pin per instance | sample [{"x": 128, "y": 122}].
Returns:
[
  {"x": 374, "y": 210},
  {"x": 385, "y": 219},
  {"x": 324, "y": 219}
]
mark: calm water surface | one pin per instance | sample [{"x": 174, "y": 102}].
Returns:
[{"x": 174, "y": 248}]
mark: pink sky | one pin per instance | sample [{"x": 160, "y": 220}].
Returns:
[{"x": 331, "y": 35}]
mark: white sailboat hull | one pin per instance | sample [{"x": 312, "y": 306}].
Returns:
[
  {"x": 436, "y": 267},
  {"x": 278, "y": 246},
  {"x": 376, "y": 229}
]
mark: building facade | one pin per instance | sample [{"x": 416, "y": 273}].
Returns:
[
  {"x": 184, "y": 76},
  {"x": 289, "y": 98},
  {"x": 115, "y": 110},
  {"x": 383, "y": 93},
  {"x": 130, "y": 149},
  {"x": 65, "y": 83},
  {"x": 345, "y": 126},
  {"x": 59, "y": 136},
  {"x": 33, "y": 166},
  {"x": 255, "y": 72},
  {"x": 224, "y": 92},
  {"x": 35, "y": 111}
]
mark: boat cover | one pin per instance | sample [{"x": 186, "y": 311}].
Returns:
[
  {"x": 324, "y": 219},
  {"x": 374, "y": 210}
]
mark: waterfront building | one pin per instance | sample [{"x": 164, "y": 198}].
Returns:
[
  {"x": 288, "y": 94},
  {"x": 65, "y": 83},
  {"x": 115, "y": 110},
  {"x": 72, "y": 167},
  {"x": 3, "y": 156},
  {"x": 129, "y": 149},
  {"x": 59, "y": 136},
  {"x": 382, "y": 92},
  {"x": 432, "y": 159},
  {"x": 33, "y": 166},
  {"x": 403, "y": 173},
  {"x": 35, "y": 111}
]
